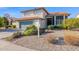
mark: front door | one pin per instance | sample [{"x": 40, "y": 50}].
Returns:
[{"x": 49, "y": 21}]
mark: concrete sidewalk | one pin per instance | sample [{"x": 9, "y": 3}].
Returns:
[{"x": 8, "y": 46}]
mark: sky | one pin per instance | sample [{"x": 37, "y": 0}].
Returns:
[{"x": 15, "y": 11}]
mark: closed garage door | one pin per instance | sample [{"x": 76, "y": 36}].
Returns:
[{"x": 24, "y": 24}]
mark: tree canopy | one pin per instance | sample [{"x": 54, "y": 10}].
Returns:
[
  {"x": 71, "y": 23},
  {"x": 3, "y": 21}
]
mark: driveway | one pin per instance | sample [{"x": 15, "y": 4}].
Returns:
[
  {"x": 5, "y": 34},
  {"x": 8, "y": 46}
]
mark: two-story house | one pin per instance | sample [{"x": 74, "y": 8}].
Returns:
[{"x": 40, "y": 17}]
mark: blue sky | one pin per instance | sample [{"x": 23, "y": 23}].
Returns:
[{"x": 15, "y": 11}]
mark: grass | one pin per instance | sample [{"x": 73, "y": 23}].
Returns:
[
  {"x": 71, "y": 37},
  {"x": 50, "y": 38}
]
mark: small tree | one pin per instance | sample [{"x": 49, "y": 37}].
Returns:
[
  {"x": 6, "y": 22},
  {"x": 2, "y": 22},
  {"x": 71, "y": 23}
]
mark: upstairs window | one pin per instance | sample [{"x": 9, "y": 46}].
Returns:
[
  {"x": 38, "y": 12},
  {"x": 28, "y": 13}
]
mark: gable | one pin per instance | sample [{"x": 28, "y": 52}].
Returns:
[{"x": 36, "y": 9}]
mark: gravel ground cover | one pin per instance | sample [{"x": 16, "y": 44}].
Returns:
[{"x": 40, "y": 44}]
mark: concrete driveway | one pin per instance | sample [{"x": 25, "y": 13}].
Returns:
[
  {"x": 5, "y": 34},
  {"x": 8, "y": 46}
]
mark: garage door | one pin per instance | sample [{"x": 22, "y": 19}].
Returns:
[{"x": 24, "y": 24}]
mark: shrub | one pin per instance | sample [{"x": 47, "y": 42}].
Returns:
[
  {"x": 15, "y": 35},
  {"x": 30, "y": 30},
  {"x": 13, "y": 26},
  {"x": 51, "y": 27},
  {"x": 2, "y": 24},
  {"x": 59, "y": 26},
  {"x": 71, "y": 37},
  {"x": 71, "y": 23},
  {"x": 31, "y": 27},
  {"x": 8, "y": 26}
]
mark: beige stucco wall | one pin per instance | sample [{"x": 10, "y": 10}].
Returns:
[
  {"x": 37, "y": 22},
  {"x": 33, "y": 13},
  {"x": 41, "y": 23}
]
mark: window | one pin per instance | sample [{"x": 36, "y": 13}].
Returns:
[
  {"x": 59, "y": 17},
  {"x": 38, "y": 12},
  {"x": 28, "y": 13}
]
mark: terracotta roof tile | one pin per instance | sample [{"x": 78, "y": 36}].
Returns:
[
  {"x": 27, "y": 18},
  {"x": 59, "y": 13}
]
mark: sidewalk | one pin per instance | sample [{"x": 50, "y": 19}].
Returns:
[{"x": 7, "y": 46}]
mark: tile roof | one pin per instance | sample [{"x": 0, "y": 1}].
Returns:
[
  {"x": 59, "y": 13},
  {"x": 27, "y": 18}
]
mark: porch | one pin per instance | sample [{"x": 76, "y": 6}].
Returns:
[{"x": 55, "y": 20}]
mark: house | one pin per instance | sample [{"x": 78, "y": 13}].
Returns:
[
  {"x": 40, "y": 17},
  {"x": 77, "y": 16}
]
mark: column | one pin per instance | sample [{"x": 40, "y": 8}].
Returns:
[
  {"x": 54, "y": 20},
  {"x": 63, "y": 19}
]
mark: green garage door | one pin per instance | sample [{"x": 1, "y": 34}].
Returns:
[{"x": 24, "y": 24}]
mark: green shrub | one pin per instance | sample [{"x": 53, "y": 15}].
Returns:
[
  {"x": 30, "y": 27},
  {"x": 59, "y": 27},
  {"x": 51, "y": 27},
  {"x": 15, "y": 35},
  {"x": 8, "y": 26},
  {"x": 71, "y": 23},
  {"x": 30, "y": 30},
  {"x": 13, "y": 26}
]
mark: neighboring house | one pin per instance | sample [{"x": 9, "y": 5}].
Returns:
[
  {"x": 77, "y": 16},
  {"x": 41, "y": 17}
]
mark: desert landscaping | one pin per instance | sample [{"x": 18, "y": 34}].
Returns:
[
  {"x": 41, "y": 30},
  {"x": 62, "y": 40}
]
